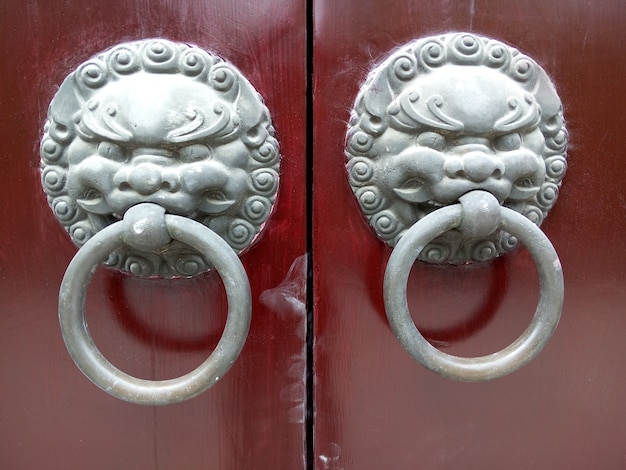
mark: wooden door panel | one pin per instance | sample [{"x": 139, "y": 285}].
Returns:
[
  {"x": 52, "y": 416},
  {"x": 376, "y": 407}
]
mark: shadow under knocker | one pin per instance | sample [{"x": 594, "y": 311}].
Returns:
[
  {"x": 134, "y": 324},
  {"x": 479, "y": 317},
  {"x": 473, "y": 321}
]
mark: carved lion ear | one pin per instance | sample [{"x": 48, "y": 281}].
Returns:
[
  {"x": 376, "y": 85},
  {"x": 546, "y": 96},
  {"x": 64, "y": 105}
]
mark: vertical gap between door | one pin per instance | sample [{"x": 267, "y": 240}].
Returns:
[{"x": 310, "y": 372}]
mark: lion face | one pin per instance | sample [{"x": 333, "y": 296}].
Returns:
[
  {"x": 448, "y": 115},
  {"x": 490, "y": 142},
  {"x": 153, "y": 121},
  {"x": 132, "y": 148}
]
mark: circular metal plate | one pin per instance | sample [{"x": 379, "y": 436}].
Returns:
[
  {"x": 166, "y": 123},
  {"x": 446, "y": 115}
]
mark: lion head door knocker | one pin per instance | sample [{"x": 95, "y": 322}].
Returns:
[
  {"x": 456, "y": 151},
  {"x": 159, "y": 159}
]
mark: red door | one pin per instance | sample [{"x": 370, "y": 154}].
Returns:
[
  {"x": 51, "y": 415},
  {"x": 375, "y": 407}
]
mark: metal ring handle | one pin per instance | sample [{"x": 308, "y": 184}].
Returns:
[
  {"x": 147, "y": 224},
  {"x": 507, "y": 360}
]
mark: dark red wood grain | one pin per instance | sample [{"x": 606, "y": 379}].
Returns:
[
  {"x": 51, "y": 416},
  {"x": 376, "y": 407}
]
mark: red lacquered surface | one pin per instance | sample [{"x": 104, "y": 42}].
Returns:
[
  {"x": 376, "y": 407},
  {"x": 51, "y": 416}
]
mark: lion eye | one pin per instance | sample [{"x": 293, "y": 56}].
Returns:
[
  {"x": 111, "y": 151},
  {"x": 431, "y": 140},
  {"x": 507, "y": 142},
  {"x": 194, "y": 152}
]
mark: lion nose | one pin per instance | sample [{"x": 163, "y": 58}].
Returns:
[
  {"x": 145, "y": 178},
  {"x": 476, "y": 166}
]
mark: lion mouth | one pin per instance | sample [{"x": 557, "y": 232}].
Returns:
[
  {"x": 448, "y": 191},
  {"x": 523, "y": 190},
  {"x": 119, "y": 201},
  {"x": 95, "y": 203}
]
